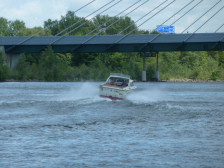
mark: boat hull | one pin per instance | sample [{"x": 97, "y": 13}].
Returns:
[
  {"x": 115, "y": 93},
  {"x": 112, "y": 98}
]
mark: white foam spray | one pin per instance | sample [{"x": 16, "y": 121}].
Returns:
[
  {"x": 147, "y": 96},
  {"x": 86, "y": 93}
]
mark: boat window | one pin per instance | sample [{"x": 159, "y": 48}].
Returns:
[
  {"x": 111, "y": 81},
  {"x": 125, "y": 82},
  {"x": 118, "y": 81},
  {"x": 122, "y": 82}
]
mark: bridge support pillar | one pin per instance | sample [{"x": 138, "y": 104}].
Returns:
[
  {"x": 11, "y": 60},
  {"x": 157, "y": 67},
  {"x": 144, "y": 71}
]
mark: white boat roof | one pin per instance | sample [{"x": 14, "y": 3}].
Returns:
[{"x": 120, "y": 75}]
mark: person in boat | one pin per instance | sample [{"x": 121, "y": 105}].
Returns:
[
  {"x": 111, "y": 81},
  {"x": 125, "y": 83},
  {"x": 118, "y": 82}
]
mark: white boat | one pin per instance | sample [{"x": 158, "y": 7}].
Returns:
[{"x": 117, "y": 86}]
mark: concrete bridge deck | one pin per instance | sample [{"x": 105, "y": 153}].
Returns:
[{"x": 115, "y": 43}]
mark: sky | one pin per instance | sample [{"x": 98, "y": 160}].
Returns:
[{"x": 35, "y": 12}]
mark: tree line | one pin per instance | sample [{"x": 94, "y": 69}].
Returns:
[{"x": 50, "y": 66}]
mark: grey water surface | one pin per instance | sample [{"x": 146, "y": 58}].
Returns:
[{"x": 69, "y": 125}]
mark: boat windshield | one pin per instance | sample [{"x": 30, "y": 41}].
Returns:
[{"x": 118, "y": 81}]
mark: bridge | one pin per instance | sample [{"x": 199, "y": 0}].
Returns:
[
  {"x": 115, "y": 43},
  {"x": 128, "y": 42},
  {"x": 13, "y": 46}
]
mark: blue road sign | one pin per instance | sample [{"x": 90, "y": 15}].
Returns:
[{"x": 165, "y": 29}]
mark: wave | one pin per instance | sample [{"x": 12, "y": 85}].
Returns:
[
  {"x": 89, "y": 93},
  {"x": 85, "y": 94},
  {"x": 148, "y": 96}
]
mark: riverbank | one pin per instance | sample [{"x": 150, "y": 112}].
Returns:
[
  {"x": 170, "y": 80},
  {"x": 191, "y": 80}
]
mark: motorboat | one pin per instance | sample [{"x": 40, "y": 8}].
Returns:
[{"x": 117, "y": 86}]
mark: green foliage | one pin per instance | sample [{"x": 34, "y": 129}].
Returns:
[
  {"x": 215, "y": 75},
  {"x": 1, "y": 58},
  {"x": 4, "y": 73},
  {"x": 22, "y": 69},
  {"x": 53, "y": 67},
  {"x": 11, "y": 28},
  {"x": 4, "y": 27},
  {"x": 50, "y": 66},
  {"x": 190, "y": 65},
  {"x": 16, "y": 27},
  {"x": 4, "y": 70}
]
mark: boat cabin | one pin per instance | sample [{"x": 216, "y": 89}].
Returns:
[
  {"x": 118, "y": 79},
  {"x": 117, "y": 86}
]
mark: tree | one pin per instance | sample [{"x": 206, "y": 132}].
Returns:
[
  {"x": 11, "y": 28},
  {"x": 53, "y": 26},
  {"x": 52, "y": 67},
  {"x": 221, "y": 58},
  {"x": 4, "y": 29},
  {"x": 34, "y": 31},
  {"x": 4, "y": 70},
  {"x": 16, "y": 27},
  {"x": 22, "y": 70},
  {"x": 1, "y": 58}
]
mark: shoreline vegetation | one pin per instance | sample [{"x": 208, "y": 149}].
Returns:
[
  {"x": 168, "y": 81},
  {"x": 203, "y": 66},
  {"x": 184, "y": 80}
]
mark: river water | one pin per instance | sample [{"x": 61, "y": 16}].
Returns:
[{"x": 69, "y": 125}]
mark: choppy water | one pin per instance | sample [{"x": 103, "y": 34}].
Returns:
[{"x": 68, "y": 125}]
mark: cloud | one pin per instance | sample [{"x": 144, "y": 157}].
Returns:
[{"x": 35, "y": 12}]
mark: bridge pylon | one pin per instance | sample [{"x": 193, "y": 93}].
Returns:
[
  {"x": 11, "y": 59},
  {"x": 144, "y": 69},
  {"x": 151, "y": 54},
  {"x": 157, "y": 67}
]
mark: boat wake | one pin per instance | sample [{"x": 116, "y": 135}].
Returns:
[
  {"x": 88, "y": 93},
  {"x": 147, "y": 96},
  {"x": 84, "y": 94}
]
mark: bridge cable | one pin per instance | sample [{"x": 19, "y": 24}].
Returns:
[
  {"x": 205, "y": 22},
  {"x": 219, "y": 28},
  {"x": 201, "y": 16},
  {"x": 94, "y": 17},
  {"x": 138, "y": 19},
  {"x": 144, "y": 22},
  {"x": 56, "y": 23},
  {"x": 48, "y": 27},
  {"x": 153, "y": 16},
  {"x": 120, "y": 19},
  {"x": 170, "y": 18},
  {"x": 127, "y": 14},
  {"x": 222, "y": 38},
  {"x": 114, "y": 16},
  {"x": 113, "y": 22},
  {"x": 209, "y": 19},
  {"x": 173, "y": 16},
  {"x": 75, "y": 11},
  {"x": 185, "y": 13},
  {"x": 84, "y": 6},
  {"x": 142, "y": 17},
  {"x": 86, "y": 21},
  {"x": 84, "y": 18},
  {"x": 174, "y": 22}
]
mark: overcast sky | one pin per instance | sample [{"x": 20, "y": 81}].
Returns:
[{"x": 35, "y": 12}]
